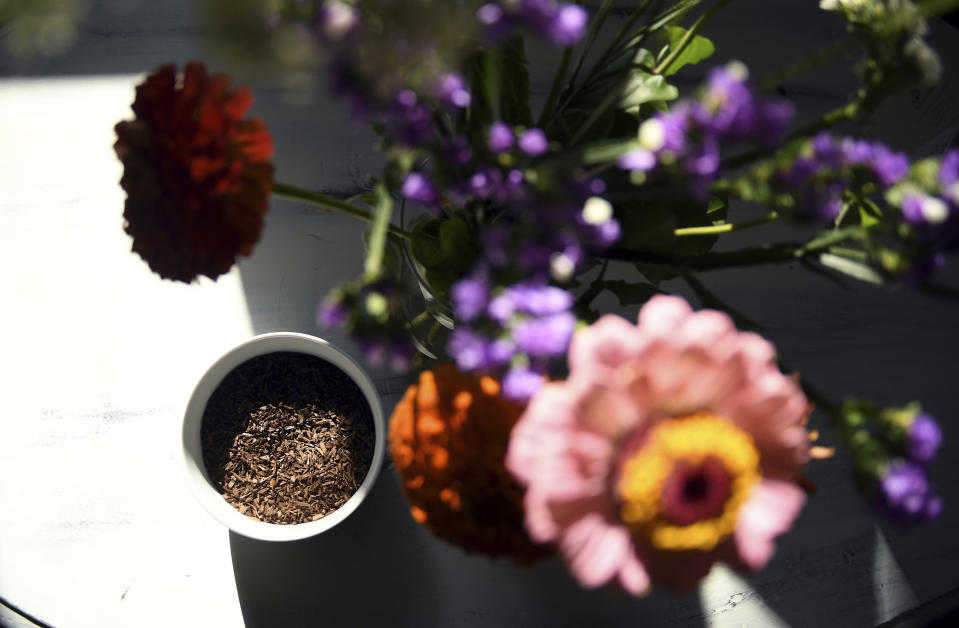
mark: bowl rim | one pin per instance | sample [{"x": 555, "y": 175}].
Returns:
[{"x": 197, "y": 477}]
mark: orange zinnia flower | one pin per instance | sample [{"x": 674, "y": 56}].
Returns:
[
  {"x": 448, "y": 438},
  {"x": 197, "y": 175}
]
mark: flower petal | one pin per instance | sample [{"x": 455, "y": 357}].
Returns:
[
  {"x": 604, "y": 345},
  {"x": 770, "y": 510},
  {"x": 595, "y": 549},
  {"x": 663, "y": 314}
]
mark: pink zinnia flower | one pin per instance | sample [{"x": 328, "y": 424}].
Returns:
[{"x": 672, "y": 445}]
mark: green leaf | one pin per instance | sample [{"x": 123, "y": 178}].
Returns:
[
  {"x": 854, "y": 269},
  {"x": 869, "y": 213},
  {"x": 630, "y": 293},
  {"x": 695, "y": 51},
  {"x": 644, "y": 87},
  {"x": 446, "y": 249},
  {"x": 440, "y": 281},
  {"x": 425, "y": 243},
  {"x": 457, "y": 243}
]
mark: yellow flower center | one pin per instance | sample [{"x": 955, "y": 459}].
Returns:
[{"x": 683, "y": 487}]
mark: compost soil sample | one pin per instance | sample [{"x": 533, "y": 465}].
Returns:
[{"x": 287, "y": 437}]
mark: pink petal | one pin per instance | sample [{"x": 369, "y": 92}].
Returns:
[
  {"x": 663, "y": 314},
  {"x": 603, "y": 346},
  {"x": 757, "y": 352},
  {"x": 612, "y": 412},
  {"x": 544, "y": 430},
  {"x": 706, "y": 328},
  {"x": 632, "y": 575},
  {"x": 772, "y": 409},
  {"x": 540, "y": 523},
  {"x": 691, "y": 381},
  {"x": 770, "y": 510},
  {"x": 595, "y": 549}
]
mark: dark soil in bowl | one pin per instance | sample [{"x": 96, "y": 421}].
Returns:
[{"x": 287, "y": 438}]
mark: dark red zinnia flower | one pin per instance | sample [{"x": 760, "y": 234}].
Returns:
[{"x": 197, "y": 175}]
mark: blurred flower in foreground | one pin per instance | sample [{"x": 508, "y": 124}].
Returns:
[
  {"x": 892, "y": 449},
  {"x": 373, "y": 314},
  {"x": 448, "y": 437},
  {"x": 197, "y": 175},
  {"x": 672, "y": 445}
]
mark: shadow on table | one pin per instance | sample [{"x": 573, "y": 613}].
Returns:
[
  {"x": 380, "y": 568},
  {"x": 370, "y": 570}
]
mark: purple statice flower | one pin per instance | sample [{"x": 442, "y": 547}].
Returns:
[
  {"x": 452, "y": 91},
  {"x": 470, "y": 296},
  {"x": 409, "y": 121},
  {"x": 534, "y": 255},
  {"x": 499, "y": 352},
  {"x": 730, "y": 101},
  {"x": 533, "y": 142},
  {"x": 514, "y": 185},
  {"x": 468, "y": 348},
  {"x": 921, "y": 209},
  {"x": 949, "y": 176},
  {"x": 905, "y": 494},
  {"x": 499, "y": 138},
  {"x": 889, "y": 167},
  {"x": 538, "y": 14},
  {"x": 924, "y": 267},
  {"x": 535, "y": 299},
  {"x": 675, "y": 125},
  {"x": 490, "y": 14},
  {"x": 800, "y": 171},
  {"x": 825, "y": 201},
  {"x": 458, "y": 150},
  {"x": 568, "y": 25},
  {"x": 417, "y": 187},
  {"x": 486, "y": 183},
  {"x": 546, "y": 336},
  {"x": 826, "y": 151},
  {"x": 923, "y": 438},
  {"x": 332, "y": 314},
  {"x": 346, "y": 87},
  {"x": 855, "y": 151},
  {"x": 637, "y": 159},
  {"x": 495, "y": 240},
  {"x": 521, "y": 383},
  {"x": 703, "y": 159},
  {"x": 337, "y": 20},
  {"x": 772, "y": 120},
  {"x": 495, "y": 23},
  {"x": 373, "y": 348}
]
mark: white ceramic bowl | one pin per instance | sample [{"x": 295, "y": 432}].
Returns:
[{"x": 197, "y": 476}]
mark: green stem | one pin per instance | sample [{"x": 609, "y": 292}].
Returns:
[
  {"x": 610, "y": 56},
  {"x": 595, "y": 24},
  {"x": 379, "y": 227},
  {"x": 611, "y": 99},
  {"x": 727, "y": 227},
  {"x": 329, "y": 203},
  {"x": 767, "y": 254},
  {"x": 689, "y": 35},
  {"x": 555, "y": 88}
]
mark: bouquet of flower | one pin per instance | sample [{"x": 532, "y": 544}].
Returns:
[{"x": 643, "y": 452}]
